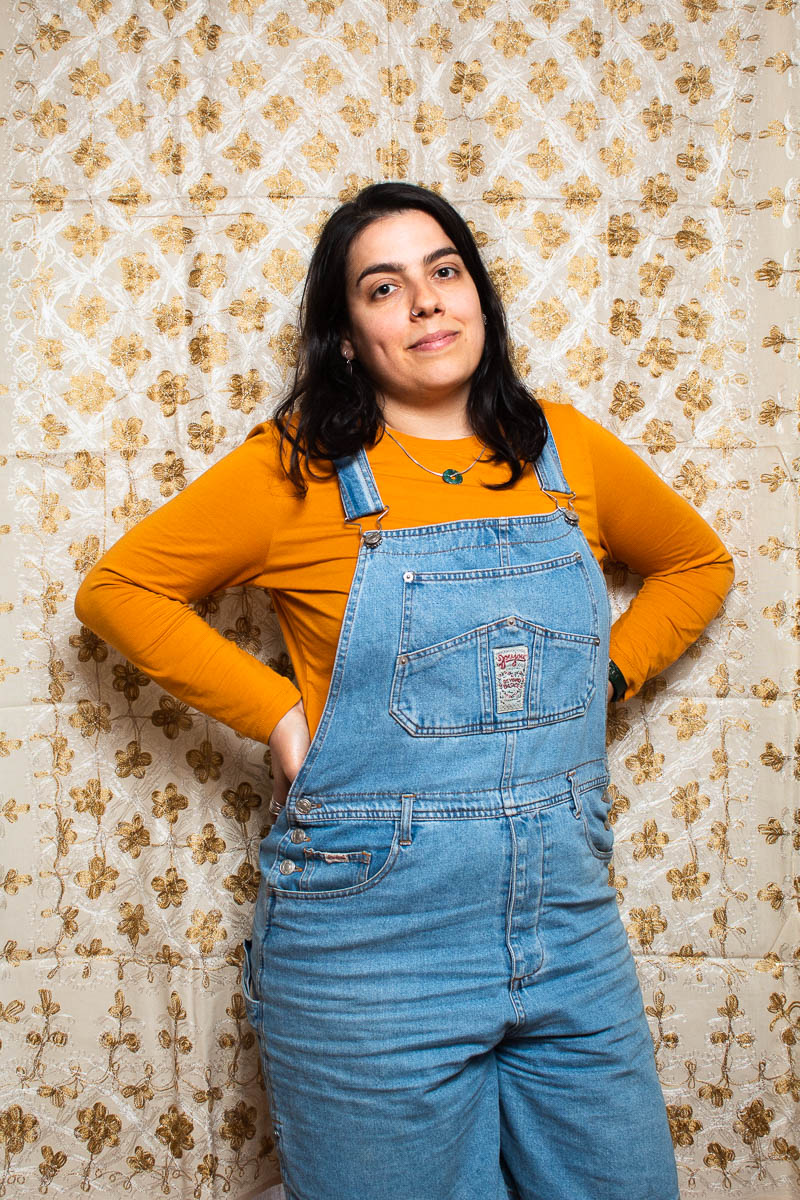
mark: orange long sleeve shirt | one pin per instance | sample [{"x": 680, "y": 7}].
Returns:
[{"x": 241, "y": 522}]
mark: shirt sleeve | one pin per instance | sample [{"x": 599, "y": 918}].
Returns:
[
  {"x": 213, "y": 535},
  {"x": 686, "y": 569}
]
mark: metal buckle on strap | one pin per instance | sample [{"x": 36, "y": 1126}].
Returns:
[
  {"x": 567, "y": 509},
  {"x": 370, "y": 537}
]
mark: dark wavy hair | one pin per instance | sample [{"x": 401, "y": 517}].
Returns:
[{"x": 330, "y": 412}]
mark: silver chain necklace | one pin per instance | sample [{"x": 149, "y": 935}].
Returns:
[{"x": 450, "y": 474}]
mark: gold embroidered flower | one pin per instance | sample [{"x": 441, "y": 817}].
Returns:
[
  {"x": 657, "y": 119},
  {"x": 582, "y": 274},
  {"x": 246, "y": 392},
  {"x": 438, "y": 43},
  {"x": 624, "y": 321},
  {"x": 238, "y": 1125},
  {"x": 204, "y": 434},
  {"x": 655, "y": 275},
  {"x": 205, "y": 762},
  {"x": 695, "y": 83},
  {"x": 280, "y": 31},
  {"x": 133, "y": 924},
  {"x": 282, "y": 111},
  {"x": 581, "y": 196},
  {"x": 175, "y": 1131},
  {"x": 546, "y": 79},
  {"x": 650, "y": 841},
  {"x": 619, "y": 80},
  {"x": 618, "y": 158},
  {"x": 205, "y": 930},
  {"x": 87, "y": 236},
  {"x": 358, "y": 115},
  {"x": 645, "y": 923},
  {"x": 658, "y": 437},
  {"x": 693, "y": 482},
  {"x": 208, "y": 348},
  {"x": 429, "y": 122},
  {"x": 320, "y": 75},
  {"x": 621, "y": 236},
  {"x": 468, "y": 79},
  {"x": 249, "y": 309},
  {"x": 88, "y": 81},
  {"x": 133, "y": 760},
  {"x": 582, "y": 119},
  {"x": 658, "y": 194},
  {"x": 627, "y": 400},
  {"x": 466, "y": 161},
  {"x": 693, "y": 320},
  {"x": 98, "y": 878},
  {"x": 169, "y": 888},
  {"x": 548, "y": 319},
  {"x": 171, "y": 319},
  {"x": 510, "y": 38},
  {"x": 688, "y": 718},
  {"x": 547, "y": 233},
  {"x": 586, "y": 362},
  {"x": 645, "y": 765},
  {"x": 239, "y": 804},
  {"x": 503, "y": 116},
  {"x": 508, "y": 278},
  {"x": 168, "y": 804},
  {"x": 243, "y": 885},
  {"x": 659, "y": 355},
  {"x": 687, "y": 882},
  {"x": 585, "y": 40},
  {"x": 207, "y": 845},
  {"x": 505, "y": 195},
  {"x": 683, "y": 1125},
  {"x": 360, "y": 36}
]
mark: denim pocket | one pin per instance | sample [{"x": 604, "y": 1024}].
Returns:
[
  {"x": 498, "y": 649},
  {"x": 510, "y": 674},
  {"x": 332, "y": 870},
  {"x": 323, "y": 863},
  {"x": 595, "y": 808}
]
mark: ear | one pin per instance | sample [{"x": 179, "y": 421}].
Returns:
[{"x": 347, "y": 347}]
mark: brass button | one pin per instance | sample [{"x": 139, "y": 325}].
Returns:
[
  {"x": 403, "y": 659},
  {"x": 297, "y": 835},
  {"x": 304, "y": 805},
  {"x": 286, "y": 867},
  {"x": 373, "y": 538}
]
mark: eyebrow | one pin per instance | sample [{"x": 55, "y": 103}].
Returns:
[{"x": 396, "y": 268}]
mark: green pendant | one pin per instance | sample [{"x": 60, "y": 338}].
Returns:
[{"x": 452, "y": 476}]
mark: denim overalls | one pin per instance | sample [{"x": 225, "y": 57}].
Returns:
[{"x": 445, "y": 999}]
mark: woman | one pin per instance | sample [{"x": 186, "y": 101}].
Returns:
[{"x": 446, "y": 1003}]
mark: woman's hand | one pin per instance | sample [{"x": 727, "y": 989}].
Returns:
[{"x": 288, "y": 745}]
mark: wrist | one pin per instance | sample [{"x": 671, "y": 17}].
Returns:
[{"x": 617, "y": 681}]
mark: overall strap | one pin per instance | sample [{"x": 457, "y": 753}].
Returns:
[
  {"x": 359, "y": 492},
  {"x": 548, "y": 467}
]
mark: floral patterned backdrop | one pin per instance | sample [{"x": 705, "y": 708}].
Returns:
[{"x": 627, "y": 169}]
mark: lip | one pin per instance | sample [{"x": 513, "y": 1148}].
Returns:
[{"x": 436, "y": 340}]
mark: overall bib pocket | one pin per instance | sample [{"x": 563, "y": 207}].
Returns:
[
  {"x": 331, "y": 861},
  {"x": 520, "y": 668}
]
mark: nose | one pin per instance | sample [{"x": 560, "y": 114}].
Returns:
[{"x": 425, "y": 300}]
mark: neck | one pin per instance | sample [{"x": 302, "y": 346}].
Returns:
[{"x": 438, "y": 423}]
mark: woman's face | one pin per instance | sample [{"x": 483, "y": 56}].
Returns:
[{"x": 416, "y": 325}]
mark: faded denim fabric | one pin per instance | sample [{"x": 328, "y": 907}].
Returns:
[{"x": 446, "y": 1003}]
